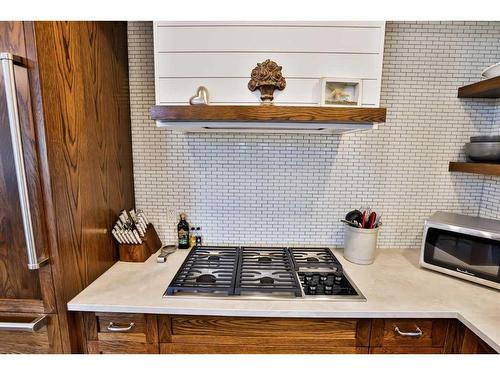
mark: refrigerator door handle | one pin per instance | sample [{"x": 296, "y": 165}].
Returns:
[{"x": 8, "y": 60}]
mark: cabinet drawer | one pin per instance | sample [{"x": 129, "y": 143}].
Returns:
[
  {"x": 276, "y": 333},
  {"x": 127, "y": 327},
  {"x": 13, "y": 340},
  {"x": 406, "y": 335},
  {"x": 121, "y": 333}
]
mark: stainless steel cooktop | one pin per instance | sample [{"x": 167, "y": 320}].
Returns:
[{"x": 263, "y": 272}]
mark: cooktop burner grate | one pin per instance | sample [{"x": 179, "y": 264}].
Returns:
[
  {"x": 304, "y": 257},
  {"x": 207, "y": 270},
  {"x": 263, "y": 271},
  {"x": 268, "y": 270}
]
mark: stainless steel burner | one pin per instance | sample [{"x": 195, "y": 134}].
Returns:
[
  {"x": 266, "y": 280},
  {"x": 206, "y": 278}
]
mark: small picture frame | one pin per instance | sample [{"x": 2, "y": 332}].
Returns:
[{"x": 341, "y": 92}]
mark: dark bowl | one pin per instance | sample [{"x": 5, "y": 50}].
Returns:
[{"x": 483, "y": 151}]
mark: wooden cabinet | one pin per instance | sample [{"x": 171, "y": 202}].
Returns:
[
  {"x": 425, "y": 336},
  {"x": 205, "y": 334},
  {"x": 71, "y": 83},
  {"x": 179, "y": 334},
  {"x": 461, "y": 340},
  {"x": 21, "y": 290},
  {"x": 472, "y": 344},
  {"x": 19, "y": 341},
  {"x": 121, "y": 333}
]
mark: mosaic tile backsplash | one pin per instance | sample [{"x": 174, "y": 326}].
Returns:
[{"x": 293, "y": 188}]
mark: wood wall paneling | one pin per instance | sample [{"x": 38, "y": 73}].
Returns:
[
  {"x": 74, "y": 107},
  {"x": 84, "y": 67}
]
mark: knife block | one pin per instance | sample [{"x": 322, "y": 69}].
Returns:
[{"x": 151, "y": 243}]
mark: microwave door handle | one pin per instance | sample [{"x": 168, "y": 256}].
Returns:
[{"x": 8, "y": 60}]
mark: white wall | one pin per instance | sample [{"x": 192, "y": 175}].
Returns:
[
  {"x": 292, "y": 189},
  {"x": 490, "y": 202},
  {"x": 221, "y": 57}
]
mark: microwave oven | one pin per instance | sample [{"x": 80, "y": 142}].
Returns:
[{"x": 463, "y": 246}]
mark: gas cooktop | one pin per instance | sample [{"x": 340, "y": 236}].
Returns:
[{"x": 263, "y": 272}]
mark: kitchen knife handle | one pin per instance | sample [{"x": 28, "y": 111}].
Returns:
[{"x": 8, "y": 60}]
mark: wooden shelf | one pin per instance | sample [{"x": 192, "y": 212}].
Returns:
[
  {"x": 489, "y": 88},
  {"x": 488, "y": 169},
  {"x": 267, "y": 113}
]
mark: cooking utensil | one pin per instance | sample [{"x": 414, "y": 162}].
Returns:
[
  {"x": 371, "y": 220},
  {"x": 165, "y": 252},
  {"x": 363, "y": 219},
  {"x": 354, "y": 224},
  {"x": 354, "y": 215}
]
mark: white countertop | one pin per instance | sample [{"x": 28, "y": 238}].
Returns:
[{"x": 394, "y": 285}]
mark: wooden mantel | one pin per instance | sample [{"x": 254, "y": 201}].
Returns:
[{"x": 267, "y": 113}]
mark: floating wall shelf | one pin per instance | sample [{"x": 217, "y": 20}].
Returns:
[
  {"x": 488, "y": 169},
  {"x": 267, "y": 118},
  {"x": 489, "y": 88}
]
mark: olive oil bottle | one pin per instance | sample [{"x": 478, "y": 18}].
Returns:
[{"x": 183, "y": 233}]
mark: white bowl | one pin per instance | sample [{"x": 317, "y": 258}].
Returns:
[{"x": 491, "y": 71}]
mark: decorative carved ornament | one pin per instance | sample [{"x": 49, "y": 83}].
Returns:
[{"x": 266, "y": 77}]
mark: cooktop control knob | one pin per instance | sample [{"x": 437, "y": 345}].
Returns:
[
  {"x": 323, "y": 278},
  {"x": 338, "y": 275},
  {"x": 308, "y": 278},
  {"x": 313, "y": 288},
  {"x": 328, "y": 288}
]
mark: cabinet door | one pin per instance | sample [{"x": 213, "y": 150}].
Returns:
[
  {"x": 20, "y": 288},
  {"x": 16, "y": 338}
]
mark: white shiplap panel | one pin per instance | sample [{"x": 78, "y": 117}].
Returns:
[
  {"x": 339, "y": 39},
  {"x": 307, "y": 52},
  {"x": 298, "y": 65},
  {"x": 234, "y": 90}
]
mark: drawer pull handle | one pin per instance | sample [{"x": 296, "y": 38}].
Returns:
[
  {"x": 114, "y": 328},
  {"x": 35, "y": 325},
  {"x": 417, "y": 333}
]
